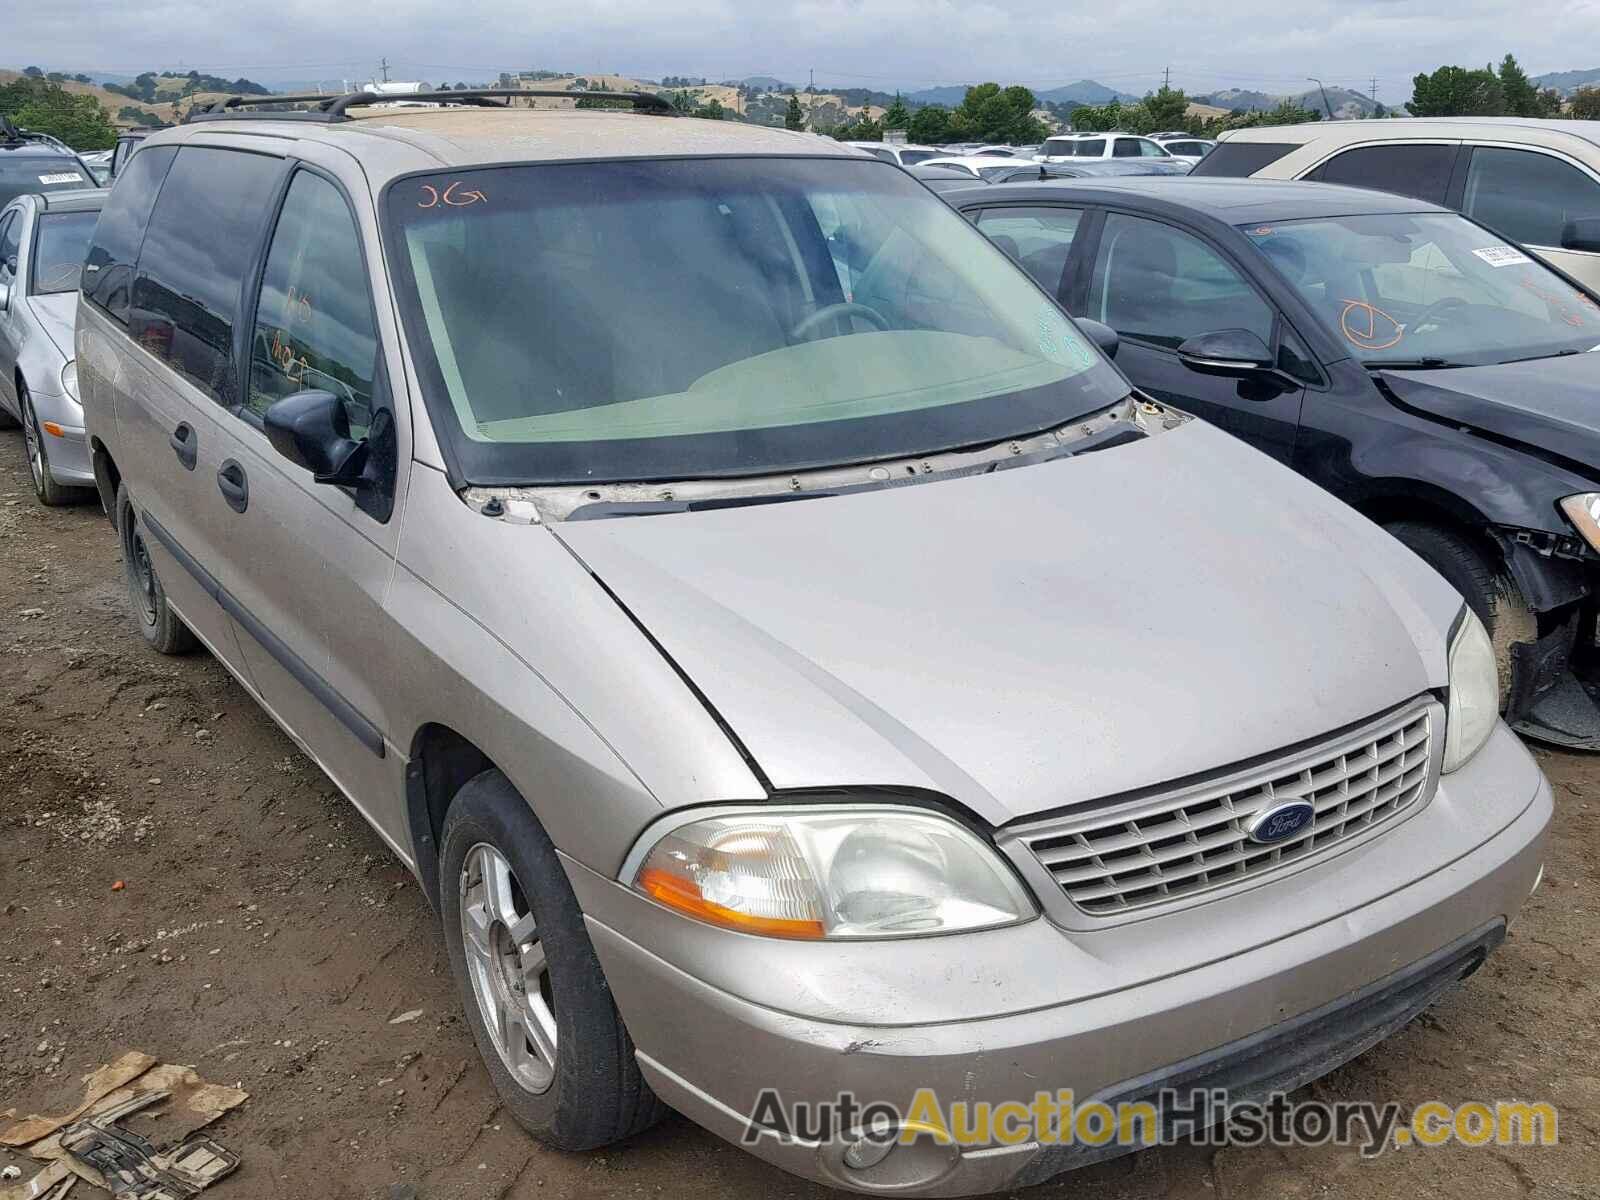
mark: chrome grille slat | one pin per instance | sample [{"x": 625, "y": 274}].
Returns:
[{"x": 1199, "y": 840}]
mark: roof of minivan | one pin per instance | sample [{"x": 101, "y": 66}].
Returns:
[
  {"x": 1232, "y": 201},
  {"x": 462, "y": 137},
  {"x": 1411, "y": 127}
]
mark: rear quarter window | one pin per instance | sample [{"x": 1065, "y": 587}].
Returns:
[
  {"x": 1239, "y": 160},
  {"x": 201, "y": 240}
]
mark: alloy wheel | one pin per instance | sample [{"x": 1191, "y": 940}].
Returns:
[
  {"x": 507, "y": 965},
  {"x": 30, "y": 435}
]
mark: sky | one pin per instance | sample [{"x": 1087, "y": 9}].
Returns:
[{"x": 881, "y": 44}]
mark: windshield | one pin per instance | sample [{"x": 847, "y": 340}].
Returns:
[
  {"x": 40, "y": 173},
  {"x": 668, "y": 319},
  {"x": 59, "y": 247},
  {"x": 910, "y": 158},
  {"x": 1428, "y": 288}
]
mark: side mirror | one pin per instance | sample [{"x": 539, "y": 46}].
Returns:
[
  {"x": 312, "y": 430},
  {"x": 1230, "y": 352},
  {"x": 5, "y": 296},
  {"x": 1101, "y": 335},
  {"x": 1582, "y": 234}
]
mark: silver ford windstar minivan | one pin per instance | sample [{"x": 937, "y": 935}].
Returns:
[{"x": 791, "y": 657}]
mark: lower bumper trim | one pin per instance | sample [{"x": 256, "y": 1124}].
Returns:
[{"x": 1285, "y": 1056}]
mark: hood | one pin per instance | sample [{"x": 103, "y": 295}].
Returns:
[
  {"x": 1552, "y": 404},
  {"x": 1040, "y": 636},
  {"x": 57, "y": 315}
]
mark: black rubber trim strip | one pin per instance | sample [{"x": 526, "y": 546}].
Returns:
[{"x": 347, "y": 715}]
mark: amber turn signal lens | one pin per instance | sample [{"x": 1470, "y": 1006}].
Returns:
[{"x": 679, "y": 893}]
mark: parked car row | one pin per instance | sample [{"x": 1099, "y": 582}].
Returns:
[{"x": 786, "y": 648}]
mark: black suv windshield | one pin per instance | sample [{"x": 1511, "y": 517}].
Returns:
[
  {"x": 1428, "y": 287},
  {"x": 671, "y": 319},
  {"x": 24, "y": 173}
]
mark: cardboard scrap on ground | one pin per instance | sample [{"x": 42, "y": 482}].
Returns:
[
  {"x": 97, "y": 1085},
  {"x": 191, "y": 1104}
]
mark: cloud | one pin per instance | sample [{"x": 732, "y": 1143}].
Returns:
[{"x": 868, "y": 43}]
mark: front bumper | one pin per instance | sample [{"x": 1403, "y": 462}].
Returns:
[
  {"x": 1003, "y": 1015},
  {"x": 67, "y": 451}
]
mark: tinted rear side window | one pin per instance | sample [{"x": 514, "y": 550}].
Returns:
[
  {"x": 1419, "y": 171},
  {"x": 114, "y": 249},
  {"x": 201, "y": 240},
  {"x": 1240, "y": 160}
]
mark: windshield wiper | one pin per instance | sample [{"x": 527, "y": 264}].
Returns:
[
  {"x": 1537, "y": 357},
  {"x": 1410, "y": 364}
]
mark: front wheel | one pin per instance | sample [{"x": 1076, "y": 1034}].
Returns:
[
  {"x": 50, "y": 492},
  {"x": 535, "y": 997},
  {"x": 1483, "y": 583}
]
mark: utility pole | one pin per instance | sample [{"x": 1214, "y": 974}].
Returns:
[
  {"x": 384, "y": 64},
  {"x": 1374, "y": 89},
  {"x": 811, "y": 101},
  {"x": 1166, "y": 79},
  {"x": 1324, "y": 91}
]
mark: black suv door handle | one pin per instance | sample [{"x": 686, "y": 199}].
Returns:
[
  {"x": 233, "y": 485},
  {"x": 185, "y": 443}
]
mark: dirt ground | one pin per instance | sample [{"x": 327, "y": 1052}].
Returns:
[{"x": 267, "y": 937}]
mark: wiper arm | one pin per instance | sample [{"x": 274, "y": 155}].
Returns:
[
  {"x": 1537, "y": 357},
  {"x": 1409, "y": 364}
]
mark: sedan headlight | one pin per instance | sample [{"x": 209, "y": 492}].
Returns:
[
  {"x": 1584, "y": 512},
  {"x": 69, "y": 380},
  {"x": 1474, "y": 691},
  {"x": 831, "y": 872}
]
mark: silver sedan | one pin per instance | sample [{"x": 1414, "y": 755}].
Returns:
[{"x": 42, "y": 244}]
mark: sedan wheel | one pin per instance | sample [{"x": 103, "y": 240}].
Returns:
[{"x": 507, "y": 966}]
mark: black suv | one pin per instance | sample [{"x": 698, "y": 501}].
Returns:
[
  {"x": 1404, "y": 357},
  {"x": 37, "y": 162}
]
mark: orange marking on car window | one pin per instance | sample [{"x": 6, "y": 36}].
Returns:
[
  {"x": 455, "y": 195},
  {"x": 1375, "y": 336}
]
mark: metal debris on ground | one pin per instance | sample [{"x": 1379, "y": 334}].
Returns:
[
  {"x": 132, "y": 1168},
  {"x": 132, "y": 1133}
]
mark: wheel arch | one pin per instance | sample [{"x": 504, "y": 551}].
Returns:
[
  {"x": 107, "y": 478},
  {"x": 442, "y": 761}
]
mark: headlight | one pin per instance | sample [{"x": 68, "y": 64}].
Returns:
[
  {"x": 69, "y": 380},
  {"x": 833, "y": 872},
  {"x": 1474, "y": 691},
  {"x": 1584, "y": 513}
]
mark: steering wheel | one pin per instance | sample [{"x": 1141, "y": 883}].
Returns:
[
  {"x": 829, "y": 312},
  {"x": 1435, "y": 309}
]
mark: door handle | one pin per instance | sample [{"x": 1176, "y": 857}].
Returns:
[
  {"x": 185, "y": 443},
  {"x": 233, "y": 485}
]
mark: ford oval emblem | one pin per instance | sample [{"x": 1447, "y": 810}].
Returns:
[{"x": 1281, "y": 822}]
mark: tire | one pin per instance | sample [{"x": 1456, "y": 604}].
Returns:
[
  {"x": 1483, "y": 583},
  {"x": 50, "y": 493},
  {"x": 162, "y": 629},
  {"x": 593, "y": 1094}
]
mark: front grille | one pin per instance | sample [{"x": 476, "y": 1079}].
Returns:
[{"x": 1159, "y": 851}]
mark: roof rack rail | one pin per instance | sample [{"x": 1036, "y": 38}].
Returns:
[
  {"x": 12, "y": 134},
  {"x": 326, "y": 108}
]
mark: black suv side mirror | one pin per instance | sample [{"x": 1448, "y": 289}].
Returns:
[
  {"x": 1582, "y": 234},
  {"x": 312, "y": 430},
  {"x": 1231, "y": 352},
  {"x": 1101, "y": 335}
]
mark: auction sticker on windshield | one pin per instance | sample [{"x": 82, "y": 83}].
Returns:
[
  {"x": 63, "y": 177},
  {"x": 1502, "y": 256}
]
